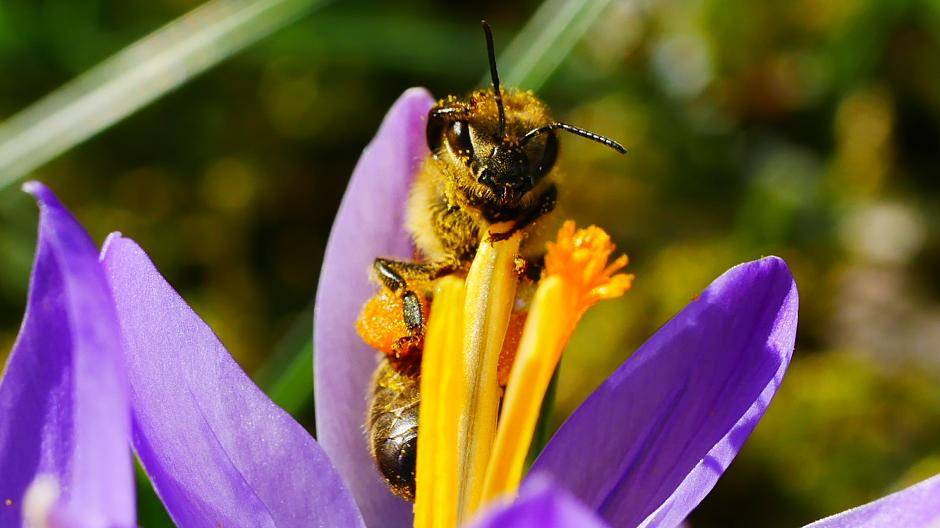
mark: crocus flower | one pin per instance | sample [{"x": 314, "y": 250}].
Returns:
[
  {"x": 647, "y": 445},
  {"x": 644, "y": 449},
  {"x": 110, "y": 355}
]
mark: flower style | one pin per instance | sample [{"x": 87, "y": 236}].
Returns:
[{"x": 110, "y": 355}]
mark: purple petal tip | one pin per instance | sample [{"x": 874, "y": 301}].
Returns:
[
  {"x": 42, "y": 193},
  {"x": 113, "y": 238}
]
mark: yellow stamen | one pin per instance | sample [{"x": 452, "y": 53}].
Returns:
[
  {"x": 576, "y": 276},
  {"x": 491, "y": 291},
  {"x": 442, "y": 399}
]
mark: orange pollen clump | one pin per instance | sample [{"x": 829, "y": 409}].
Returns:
[
  {"x": 381, "y": 324},
  {"x": 579, "y": 257}
]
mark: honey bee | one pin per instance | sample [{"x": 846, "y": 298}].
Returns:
[{"x": 491, "y": 163}]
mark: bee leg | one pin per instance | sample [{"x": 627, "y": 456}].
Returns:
[
  {"x": 395, "y": 274},
  {"x": 411, "y": 306},
  {"x": 392, "y": 274},
  {"x": 544, "y": 204}
]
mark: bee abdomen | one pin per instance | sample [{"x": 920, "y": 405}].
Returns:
[{"x": 393, "y": 427}]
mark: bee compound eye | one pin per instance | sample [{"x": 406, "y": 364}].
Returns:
[
  {"x": 458, "y": 135},
  {"x": 434, "y": 132}
]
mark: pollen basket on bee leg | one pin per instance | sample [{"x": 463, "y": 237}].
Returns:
[{"x": 381, "y": 326}]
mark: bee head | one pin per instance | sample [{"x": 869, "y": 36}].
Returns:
[
  {"x": 485, "y": 153},
  {"x": 505, "y": 138}
]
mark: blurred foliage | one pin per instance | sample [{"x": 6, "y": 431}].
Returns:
[{"x": 806, "y": 129}]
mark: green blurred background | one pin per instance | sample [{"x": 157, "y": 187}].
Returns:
[{"x": 806, "y": 129}]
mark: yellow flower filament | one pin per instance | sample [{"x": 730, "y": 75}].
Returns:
[
  {"x": 576, "y": 276},
  {"x": 464, "y": 460},
  {"x": 442, "y": 398}
]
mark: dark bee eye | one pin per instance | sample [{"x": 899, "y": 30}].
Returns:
[
  {"x": 458, "y": 135},
  {"x": 435, "y": 130},
  {"x": 549, "y": 155}
]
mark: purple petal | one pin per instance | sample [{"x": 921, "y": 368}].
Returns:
[
  {"x": 651, "y": 442},
  {"x": 219, "y": 452},
  {"x": 914, "y": 507},
  {"x": 540, "y": 505},
  {"x": 370, "y": 223},
  {"x": 63, "y": 400}
]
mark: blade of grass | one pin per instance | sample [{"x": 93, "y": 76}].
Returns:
[
  {"x": 285, "y": 376},
  {"x": 293, "y": 389},
  {"x": 135, "y": 76},
  {"x": 545, "y": 41},
  {"x": 150, "y": 511},
  {"x": 543, "y": 429}
]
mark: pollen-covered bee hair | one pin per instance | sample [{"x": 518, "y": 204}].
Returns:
[
  {"x": 498, "y": 147},
  {"x": 393, "y": 428},
  {"x": 490, "y": 173}
]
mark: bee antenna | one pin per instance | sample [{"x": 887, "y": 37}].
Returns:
[
  {"x": 574, "y": 130},
  {"x": 491, "y": 51}
]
